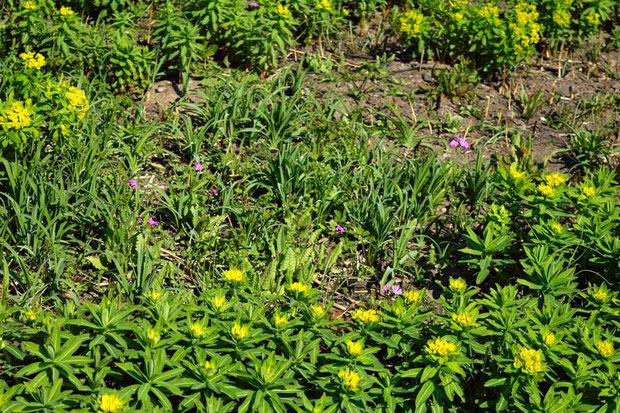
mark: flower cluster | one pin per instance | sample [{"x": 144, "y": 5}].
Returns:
[
  {"x": 77, "y": 101},
  {"x": 365, "y": 316},
  {"x": 16, "y": 116},
  {"x": 528, "y": 360},
  {"x": 350, "y": 379},
  {"x": 33, "y": 60},
  {"x": 411, "y": 23},
  {"x": 440, "y": 347},
  {"x": 526, "y": 29}
]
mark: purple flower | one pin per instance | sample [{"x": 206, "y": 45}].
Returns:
[
  {"x": 396, "y": 290},
  {"x": 152, "y": 222},
  {"x": 385, "y": 288},
  {"x": 133, "y": 184},
  {"x": 214, "y": 190},
  {"x": 198, "y": 167},
  {"x": 454, "y": 143},
  {"x": 340, "y": 229},
  {"x": 253, "y": 5},
  {"x": 463, "y": 142}
]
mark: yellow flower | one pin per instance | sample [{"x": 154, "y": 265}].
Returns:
[
  {"x": 458, "y": 16},
  {"x": 152, "y": 335},
  {"x": 365, "y": 316},
  {"x": 283, "y": 10},
  {"x": 355, "y": 348},
  {"x": 561, "y": 18},
  {"x": 350, "y": 379},
  {"x": 458, "y": 4},
  {"x": 31, "y": 315},
  {"x": 234, "y": 275},
  {"x": 546, "y": 190},
  {"x": 464, "y": 318},
  {"x": 458, "y": 284},
  {"x": 29, "y": 5},
  {"x": 606, "y": 348},
  {"x": 489, "y": 11},
  {"x": 17, "y": 116},
  {"x": 239, "y": 331},
  {"x": 549, "y": 339},
  {"x": 325, "y": 5},
  {"x": 281, "y": 319},
  {"x": 411, "y": 23},
  {"x": 32, "y": 60},
  {"x": 555, "y": 179},
  {"x": 440, "y": 347},
  {"x": 77, "y": 101},
  {"x": 516, "y": 174},
  {"x": 299, "y": 288},
  {"x": 154, "y": 295},
  {"x": 594, "y": 19},
  {"x": 318, "y": 310},
  {"x": 219, "y": 301},
  {"x": 197, "y": 329},
  {"x": 412, "y": 296},
  {"x": 66, "y": 11},
  {"x": 209, "y": 365},
  {"x": 557, "y": 228},
  {"x": 588, "y": 191},
  {"x": 110, "y": 402},
  {"x": 601, "y": 295},
  {"x": 529, "y": 361}
]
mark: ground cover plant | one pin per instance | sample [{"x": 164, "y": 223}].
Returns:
[{"x": 330, "y": 206}]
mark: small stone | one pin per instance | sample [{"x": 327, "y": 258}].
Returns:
[{"x": 160, "y": 89}]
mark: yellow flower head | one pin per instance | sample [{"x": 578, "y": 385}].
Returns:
[
  {"x": 77, "y": 101},
  {"x": 219, "y": 301},
  {"x": 555, "y": 179},
  {"x": 17, "y": 116},
  {"x": 152, "y": 335},
  {"x": 355, "y": 348},
  {"x": 280, "y": 320},
  {"x": 318, "y": 310},
  {"x": 197, "y": 329},
  {"x": 600, "y": 294},
  {"x": 557, "y": 228},
  {"x": 300, "y": 288},
  {"x": 594, "y": 19},
  {"x": 239, "y": 331},
  {"x": 605, "y": 348},
  {"x": 516, "y": 174},
  {"x": 411, "y": 23},
  {"x": 546, "y": 190},
  {"x": 458, "y": 16},
  {"x": 66, "y": 11},
  {"x": 234, "y": 275},
  {"x": 32, "y": 60},
  {"x": 465, "y": 319},
  {"x": 110, "y": 402},
  {"x": 549, "y": 339},
  {"x": 31, "y": 315},
  {"x": 588, "y": 191},
  {"x": 459, "y": 4},
  {"x": 30, "y": 5},
  {"x": 529, "y": 361},
  {"x": 561, "y": 18},
  {"x": 489, "y": 11},
  {"x": 412, "y": 296},
  {"x": 365, "y": 316},
  {"x": 209, "y": 365},
  {"x": 324, "y": 5},
  {"x": 283, "y": 10},
  {"x": 440, "y": 347},
  {"x": 154, "y": 295},
  {"x": 458, "y": 284},
  {"x": 350, "y": 379}
]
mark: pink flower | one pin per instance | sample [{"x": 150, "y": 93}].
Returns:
[
  {"x": 214, "y": 190},
  {"x": 396, "y": 290},
  {"x": 454, "y": 143},
  {"x": 198, "y": 167},
  {"x": 464, "y": 144},
  {"x": 385, "y": 288},
  {"x": 340, "y": 229},
  {"x": 253, "y": 5},
  {"x": 152, "y": 222},
  {"x": 133, "y": 184}
]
